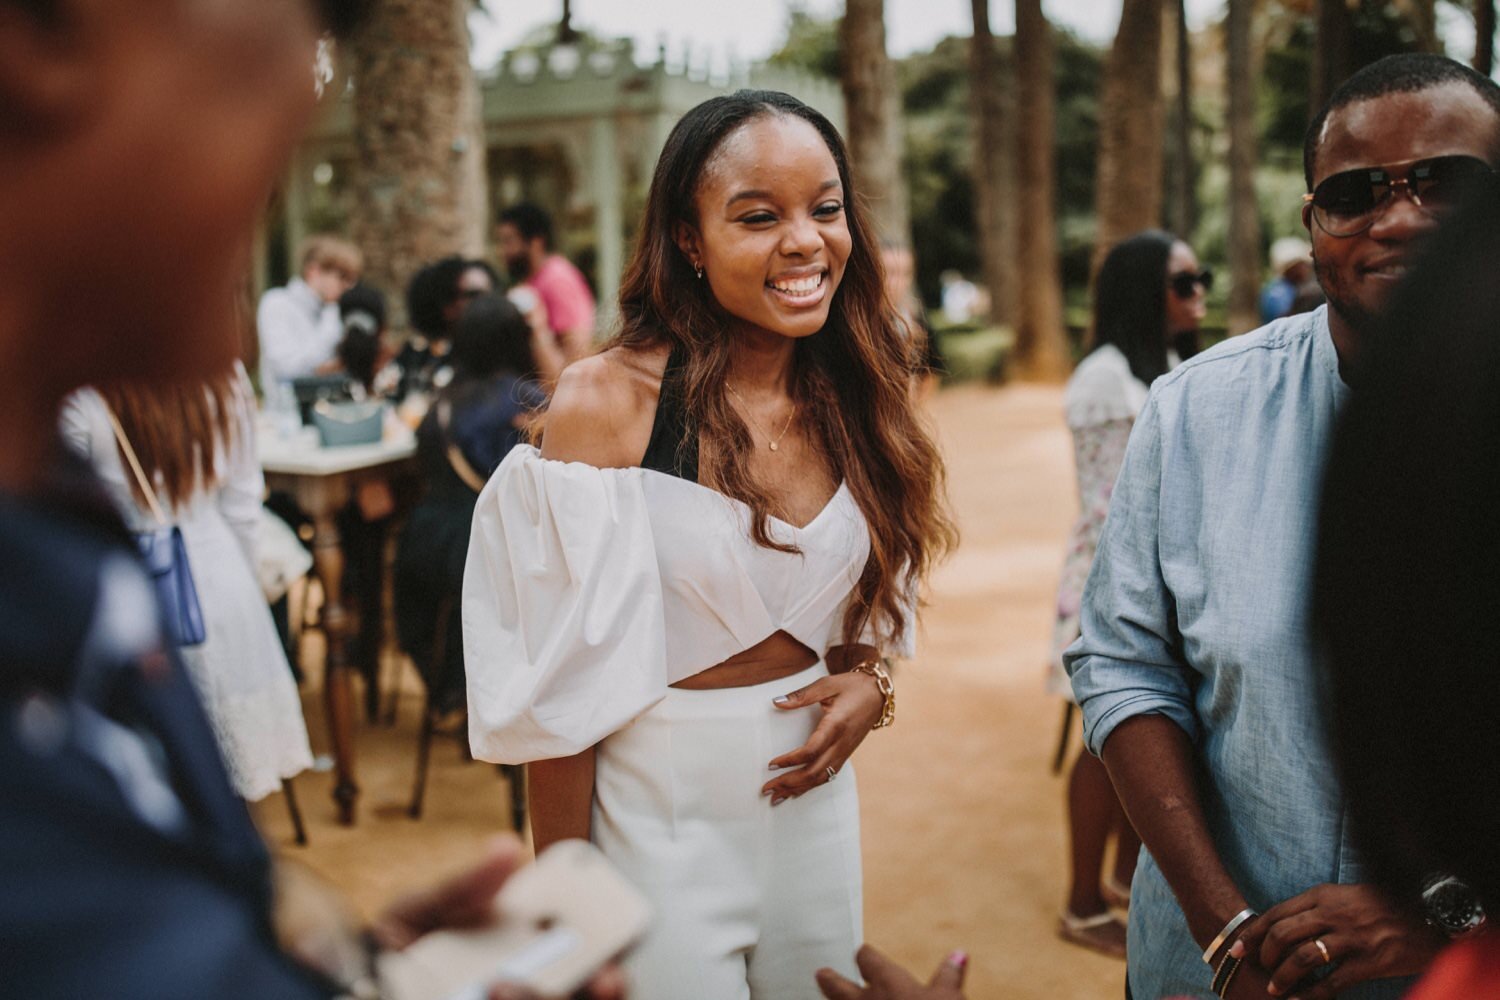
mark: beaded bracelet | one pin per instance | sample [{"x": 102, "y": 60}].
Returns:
[{"x": 1225, "y": 975}]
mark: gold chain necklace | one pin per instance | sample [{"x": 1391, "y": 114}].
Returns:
[{"x": 775, "y": 442}]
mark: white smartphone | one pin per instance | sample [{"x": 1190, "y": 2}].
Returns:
[{"x": 557, "y": 923}]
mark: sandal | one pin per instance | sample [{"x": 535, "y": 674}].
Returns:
[
  {"x": 1115, "y": 892},
  {"x": 1102, "y": 932}
]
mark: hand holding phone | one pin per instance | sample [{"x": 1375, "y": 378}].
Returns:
[{"x": 557, "y": 923}]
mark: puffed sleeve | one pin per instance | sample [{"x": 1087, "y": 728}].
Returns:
[
  {"x": 564, "y": 641},
  {"x": 902, "y": 645}
]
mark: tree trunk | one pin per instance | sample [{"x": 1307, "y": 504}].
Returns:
[
  {"x": 992, "y": 168},
  {"x": 872, "y": 109},
  {"x": 1182, "y": 205},
  {"x": 1423, "y": 15},
  {"x": 1041, "y": 347},
  {"x": 1333, "y": 52},
  {"x": 1244, "y": 221},
  {"x": 419, "y": 180},
  {"x": 1484, "y": 36},
  {"x": 1130, "y": 129}
]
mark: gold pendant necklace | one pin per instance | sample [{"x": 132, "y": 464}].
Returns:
[{"x": 775, "y": 442}]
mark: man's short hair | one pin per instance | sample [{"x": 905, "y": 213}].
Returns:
[
  {"x": 530, "y": 221},
  {"x": 1407, "y": 73},
  {"x": 328, "y": 250}
]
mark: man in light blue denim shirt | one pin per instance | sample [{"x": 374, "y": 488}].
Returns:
[{"x": 1198, "y": 682}]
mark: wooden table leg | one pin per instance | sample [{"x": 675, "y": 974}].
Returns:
[{"x": 338, "y": 695}]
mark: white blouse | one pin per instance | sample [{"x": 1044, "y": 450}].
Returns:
[
  {"x": 1103, "y": 389},
  {"x": 589, "y": 591}
]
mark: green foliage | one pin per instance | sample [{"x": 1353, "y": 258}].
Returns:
[
  {"x": 1380, "y": 29},
  {"x": 939, "y": 153},
  {"x": 812, "y": 43},
  {"x": 939, "y": 142}
]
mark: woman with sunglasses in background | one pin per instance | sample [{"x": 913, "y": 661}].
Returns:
[
  {"x": 435, "y": 301},
  {"x": 1150, "y": 294}
]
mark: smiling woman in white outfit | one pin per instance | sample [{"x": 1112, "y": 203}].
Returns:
[{"x": 678, "y": 608}]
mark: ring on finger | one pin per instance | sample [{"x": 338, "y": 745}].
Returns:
[
  {"x": 832, "y": 772},
  {"x": 1323, "y": 950}
]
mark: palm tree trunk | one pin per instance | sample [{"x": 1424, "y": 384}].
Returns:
[
  {"x": 1041, "y": 348},
  {"x": 1131, "y": 113},
  {"x": 1182, "y": 206},
  {"x": 1484, "y": 36},
  {"x": 419, "y": 181},
  {"x": 873, "y": 112},
  {"x": 1423, "y": 16},
  {"x": 992, "y": 168},
  {"x": 1333, "y": 52},
  {"x": 1244, "y": 222}
]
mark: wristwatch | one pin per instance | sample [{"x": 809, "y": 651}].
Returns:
[{"x": 1452, "y": 907}]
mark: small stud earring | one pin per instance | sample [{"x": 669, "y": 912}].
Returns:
[{"x": 698, "y": 270}]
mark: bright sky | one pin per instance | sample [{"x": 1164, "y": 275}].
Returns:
[{"x": 752, "y": 29}]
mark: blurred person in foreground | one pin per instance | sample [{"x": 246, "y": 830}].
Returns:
[
  {"x": 1151, "y": 290},
  {"x": 474, "y": 422},
  {"x": 1196, "y": 672},
  {"x": 138, "y": 143},
  {"x": 524, "y": 236},
  {"x": 1406, "y": 595}
]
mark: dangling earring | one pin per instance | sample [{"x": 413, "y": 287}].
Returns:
[{"x": 698, "y": 270}]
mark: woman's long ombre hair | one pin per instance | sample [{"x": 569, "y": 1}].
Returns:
[
  {"x": 851, "y": 381},
  {"x": 178, "y": 431}
]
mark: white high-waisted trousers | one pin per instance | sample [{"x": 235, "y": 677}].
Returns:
[{"x": 748, "y": 900}]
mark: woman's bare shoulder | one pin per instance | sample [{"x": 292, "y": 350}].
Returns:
[{"x": 602, "y": 410}]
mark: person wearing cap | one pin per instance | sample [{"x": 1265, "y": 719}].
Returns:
[{"x": 1291, "y": 262}]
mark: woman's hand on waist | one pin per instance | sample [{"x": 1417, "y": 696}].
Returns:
[{"x": 852, "y": 704}]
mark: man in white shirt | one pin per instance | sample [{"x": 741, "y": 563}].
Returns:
[{"x": 299, "y": 324}]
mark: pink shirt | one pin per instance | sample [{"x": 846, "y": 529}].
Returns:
[{"x": 570, "y": 304}]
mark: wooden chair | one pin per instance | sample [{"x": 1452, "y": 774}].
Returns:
[
  {"x": 299, "y": 832},
  {"x": 436, "y": 722}
]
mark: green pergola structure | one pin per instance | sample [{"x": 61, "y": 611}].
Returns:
[{"x": 573, "y": 127}]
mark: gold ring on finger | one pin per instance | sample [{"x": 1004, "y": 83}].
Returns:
[{"x": 1322, "y": 950}]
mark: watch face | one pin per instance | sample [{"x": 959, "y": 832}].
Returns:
[{"x": 1453, "y": 907}]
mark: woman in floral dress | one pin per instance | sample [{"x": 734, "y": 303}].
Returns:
[{"x": 1151, "y": 289}]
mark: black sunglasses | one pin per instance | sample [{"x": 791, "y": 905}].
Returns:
[
  {"x": 1349, "y": 202},
  {"x": 1185, "y": 284}
]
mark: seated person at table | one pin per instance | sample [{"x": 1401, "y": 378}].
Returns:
[
  {"x": 474, "y": 421},
  {"x": 299, "y": 325},
  {"x": 362, "y": 353}
]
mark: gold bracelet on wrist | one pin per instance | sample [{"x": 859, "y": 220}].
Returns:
[{"x": 877, "y": 670}]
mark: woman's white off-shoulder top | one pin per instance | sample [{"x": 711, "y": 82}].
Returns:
[{"x": 589, "y": 591}]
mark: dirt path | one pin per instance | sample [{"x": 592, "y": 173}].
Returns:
[{"x": 962, "y": 818}]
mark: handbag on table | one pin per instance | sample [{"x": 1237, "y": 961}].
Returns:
[{"x": 165, "y": 555}]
